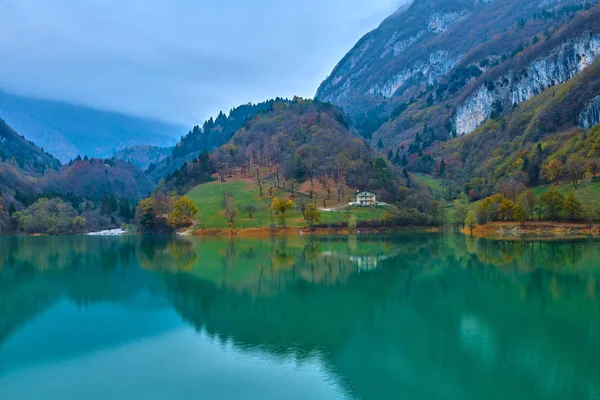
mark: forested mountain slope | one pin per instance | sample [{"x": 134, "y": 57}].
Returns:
[
  {"x": 23, "y": 154},
  {"x": 95, "y": 178},
  {"x": 213, "y": 133},
  {"x": 144, "y": 155},
  {"x": 443, "y": 67},
  {"x": 308, "y": 143},
  {"x": 520, "y": 146}
]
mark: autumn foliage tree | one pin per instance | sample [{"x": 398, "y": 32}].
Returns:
[{"x": 184, "y": 213}]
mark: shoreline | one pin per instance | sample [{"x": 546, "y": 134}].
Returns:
[
  {"x": 267, "y": 232},
  {"x": 533, "y": 230}
]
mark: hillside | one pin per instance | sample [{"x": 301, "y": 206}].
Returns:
[
  {"x": 443, "y": 68},
  {"x": 68, "y": 130},
  {"x": 21, "y": 162},
  {"x": 305, "y": 147},
  {"x": 519, "y": 146},
  {"x": 23, "y": 154},
  {"x": 144, "y": 155},
  {"x": 213, "y": 133},
  {"x": 96, "y": 178}
]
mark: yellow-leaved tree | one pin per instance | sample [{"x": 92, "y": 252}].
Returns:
[{"x": 184, "y": 213}]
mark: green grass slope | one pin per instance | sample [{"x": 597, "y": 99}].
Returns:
[{"x": 208, "y": 197}]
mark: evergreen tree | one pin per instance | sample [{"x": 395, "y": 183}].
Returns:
[
  {"x": 442, "y": 168},
  {"x": 404, "y": 160}
]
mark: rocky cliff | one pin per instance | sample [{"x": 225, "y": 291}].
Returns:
[
  {"x": 443, "y": 67},
  {"x": 591, "y": 115},
  {"x": 554, "y": 68}
]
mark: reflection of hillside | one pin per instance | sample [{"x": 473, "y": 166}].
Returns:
[
  {"x": 428, "y": 312},
  {"x": 464, "y": 316}
]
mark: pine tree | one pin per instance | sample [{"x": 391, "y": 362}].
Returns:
[
  {"x": 442, "y": 168},
  {"x": 404, "y": 160}
]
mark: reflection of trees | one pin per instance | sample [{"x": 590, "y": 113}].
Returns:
[
  {"x": 434, "y": 306},
  {"x": 166, "y": 254}
]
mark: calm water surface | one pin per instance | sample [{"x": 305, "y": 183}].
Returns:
[{"x": 412, "y": 316}]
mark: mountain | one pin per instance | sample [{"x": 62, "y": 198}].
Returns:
[
  {"x": 443, "y": 67},
  {"x": 213, "y": 133},
  {"x": 519, "y": 146},
  {"x": 15, "y": 149},
  {"x": 144, "y": 155},
  {"x": 95, "y": 178},
  {"x": 21, "y": 161},
  {"x": 309, "y": 146},
  {"x": 68, "y": 130}
]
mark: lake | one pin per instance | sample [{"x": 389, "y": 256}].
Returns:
[{"x": 407, "y": 316}]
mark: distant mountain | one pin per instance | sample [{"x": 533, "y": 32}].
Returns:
[
  {"x": 213, "y": 133},
  {"x": 144, "y": 155},
  {"x": 23, "y": 154},
  {"x": 68, "y": 130},
  {"x": 21, "y": 162},
  {"x": 444, "y": 67}
]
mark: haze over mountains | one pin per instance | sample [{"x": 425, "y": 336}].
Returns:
[{"x": 68, "y": 130}]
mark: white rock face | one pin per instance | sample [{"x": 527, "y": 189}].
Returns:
[
  {"x": 438, "y": 65},
  {"x": 562, "y": 64},
  {"x": 439, "y": 23},
  {"x": 591, "y": 115}
]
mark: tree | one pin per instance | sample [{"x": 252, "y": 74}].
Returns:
[
  {"x": 312, "y": 215},
  {"x": 352, "y": 223},
  {"x": 145, "y": 214},
  {"x": 594, "y": 166},
  {"x": 301, "y": 205},
  {"x": 518, "y": 214},
  {"x": 230, "y": 211},
  {"x": 552, "y": 203},
  {"x": 554, "y": 171},
  {"x": 281, "y": 206},
  {"x": 575, "y": 169},
  {"x": 442, "y": 168},
  {"x": 529, "y": 203},
  {"x": 184, "y": 213},
  {"x": 461, "y": 209},
  {"x": 404, "y": 160},
  {"x": 249, "y": 209},
  {"x": 573, "y": 207},
  {"x": 471, "y": 221},
  {"x": 506, "y": 210}
]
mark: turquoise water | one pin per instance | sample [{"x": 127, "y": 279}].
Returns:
[{"x": 411, "y": 316}]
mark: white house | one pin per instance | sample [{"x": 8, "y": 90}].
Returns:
[{"x": 366, "y": 198}]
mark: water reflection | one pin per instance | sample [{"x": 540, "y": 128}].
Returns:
[{"x": 409, "y": 316}]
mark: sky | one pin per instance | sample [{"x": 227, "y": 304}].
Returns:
[{"x": 177, "y": 60}]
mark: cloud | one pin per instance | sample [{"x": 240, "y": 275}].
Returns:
[{"x": 178, "y": 60}]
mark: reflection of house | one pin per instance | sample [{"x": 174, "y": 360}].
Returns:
[
  {"x": 365, "y": 263},
  {"x": 366, "y": 198}
]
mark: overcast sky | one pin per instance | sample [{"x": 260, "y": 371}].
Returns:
[{"x": 177, "y": 60}]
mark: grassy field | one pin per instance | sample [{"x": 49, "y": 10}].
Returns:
[
  {"x": 208, "y": 198},
  {"x": 434, "y": 183},
  {"x": 588, "y": 194}
]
